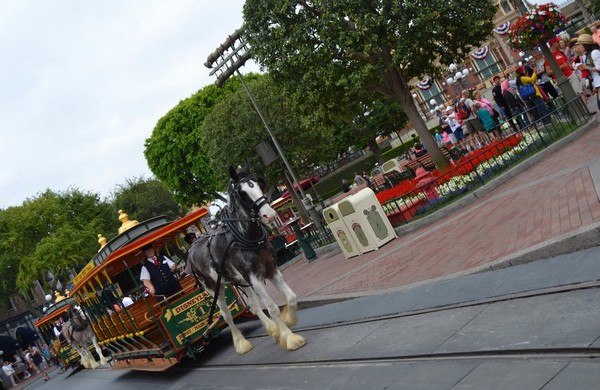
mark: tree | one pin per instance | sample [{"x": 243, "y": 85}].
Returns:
[
  {"x": 54, "y": 232},
  {"x": 381, "y": 117},
  {"x": 326, "y": 51},
  {"x": 143, "y": 199},
  {"x": 174, "y": 152},
  {"x": 232, "y": 130}
]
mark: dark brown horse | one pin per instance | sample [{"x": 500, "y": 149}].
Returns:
[{"x": 238, "y": 252}]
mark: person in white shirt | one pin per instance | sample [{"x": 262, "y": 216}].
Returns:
[
  {"x": 456, "y": 131},
  {"x": 157, "y": 273},
  {"x": 9, "y": 372}
]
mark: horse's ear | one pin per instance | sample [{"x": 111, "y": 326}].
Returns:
[
  {"x": 232, "y": 173},
  {"x": 246, "y": 167}
]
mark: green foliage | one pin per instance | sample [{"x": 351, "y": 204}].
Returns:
[
  {"x": 233, "y": 129},
  {"x": 331, "y": 53},
  {"x": 381, "y": 116},
  {"x": 53, "y": 232},
  {"x": 143, "y": 199},
  {"x": 174, "y": 151}
]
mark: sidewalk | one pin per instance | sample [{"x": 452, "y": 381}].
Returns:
[
  {"x": 23, "y": 384},
  {"x": 546, "y": 206}
]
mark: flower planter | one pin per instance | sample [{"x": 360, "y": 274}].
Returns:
[{"x": 405, "y": 214}]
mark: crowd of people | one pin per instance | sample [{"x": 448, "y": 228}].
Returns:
[
  {"x": 33, "y": 361},
  {"x": 520, "y": 99}
]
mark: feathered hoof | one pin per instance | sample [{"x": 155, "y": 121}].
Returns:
[
  {"x": 273, "y": 330},
  {"x": 85, "y": 363},
  {"x": 94, "y": 364},
  {"x": 289, "y": 316},
  {"x": 292, "y": 342},
  {"x": 103, "y": 361},
  {"x": 243, "y": 346}
]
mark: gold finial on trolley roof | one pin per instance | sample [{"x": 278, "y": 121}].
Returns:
[
  {"x": 101, "y": 241},
  {"x": 126, "y": 224},
  {"x": 58, "y": 297}
]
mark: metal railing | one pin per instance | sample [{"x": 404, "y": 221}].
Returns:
[{"x": 479, "y": 166}]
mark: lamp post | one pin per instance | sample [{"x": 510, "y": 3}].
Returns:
[
  {"x": 419, "y": 105},
  {"x": 458, "y": 77},
  {"x": 227, "y": 59},
  {"x": 577, "y": 109}
]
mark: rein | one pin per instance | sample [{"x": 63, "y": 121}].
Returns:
[
  {"x": 79, "y": 325},
  {"x": 236, "y": 238}
]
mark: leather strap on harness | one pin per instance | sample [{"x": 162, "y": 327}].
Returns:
[{"x": 241, "y": 242}]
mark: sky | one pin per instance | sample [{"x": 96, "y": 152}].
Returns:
[{"x": 83, "y": 84}]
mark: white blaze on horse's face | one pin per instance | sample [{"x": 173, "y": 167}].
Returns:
[{"x": 252, "y": 189}]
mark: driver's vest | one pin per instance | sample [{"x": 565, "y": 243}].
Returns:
[{"x": 162, "y": 277}]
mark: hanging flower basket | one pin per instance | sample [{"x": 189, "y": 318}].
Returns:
[{"x": 538, "y": 25}]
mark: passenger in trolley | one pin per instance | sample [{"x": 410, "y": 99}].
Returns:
[{"x": 157, "y": 273}]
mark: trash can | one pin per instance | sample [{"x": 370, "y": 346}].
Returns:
[
  {"x": 357, "y": 226},
  {"x": 391, "y": 165},
  {"x": 340, "y": 231},
  {"x": 370, "y": 216}
]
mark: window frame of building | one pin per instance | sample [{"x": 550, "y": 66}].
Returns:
[
  {"x": 502, "y": 5},
  {"x": 488, "y": 69},
  {"x": 428, "y": 94}
]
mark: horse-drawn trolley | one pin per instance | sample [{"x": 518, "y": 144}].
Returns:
[
  {"x": 140, "y": 330},
  {"x": 51, "y": 323}
]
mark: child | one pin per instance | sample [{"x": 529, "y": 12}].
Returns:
[
  {"x": 488, "y": 122},
  {"x": 446, "y": 139},
  {"x": 439, "y": 139}
]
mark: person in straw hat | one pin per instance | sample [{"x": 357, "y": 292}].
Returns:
[{"x": 592, "y": 61}]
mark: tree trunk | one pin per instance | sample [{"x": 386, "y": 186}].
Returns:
[
  {"x": 374, "y": 147},
  {"x": 421, "y": 128},
  {"x": 398, "y": 88},
  {"x": 426, "y": 138}
]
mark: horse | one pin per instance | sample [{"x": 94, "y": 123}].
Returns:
[
  {"x": 239, "y": 252},
  {"x": 78, "y": 333}
]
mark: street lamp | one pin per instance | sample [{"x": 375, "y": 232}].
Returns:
[
  {"x": 227, "y": 59},
  {"x": 460, "y": 76}
]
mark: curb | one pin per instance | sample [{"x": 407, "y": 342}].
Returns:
[{"x": 580, "y": 239}]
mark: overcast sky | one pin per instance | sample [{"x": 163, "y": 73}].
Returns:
[{"x": 83, "y": 83}]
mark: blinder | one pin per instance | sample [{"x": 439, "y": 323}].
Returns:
[{"x": 253, "y": 206}]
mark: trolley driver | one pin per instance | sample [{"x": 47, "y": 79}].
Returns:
[{"x": 157, "y": 273}]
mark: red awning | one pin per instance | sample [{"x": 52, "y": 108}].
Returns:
[{"x": 306, "y": 183}]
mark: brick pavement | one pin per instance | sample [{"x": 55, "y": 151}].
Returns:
[{"x": 553, "y": 197}]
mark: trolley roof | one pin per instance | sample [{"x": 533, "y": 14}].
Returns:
[
  {"x": 130, "y": 253},
  {"x": 55, "y": 311}
]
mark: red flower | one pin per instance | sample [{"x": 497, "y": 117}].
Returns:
[{"x": 463, "y": 166}]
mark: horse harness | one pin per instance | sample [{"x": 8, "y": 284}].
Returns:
[
  {"x": 235, "y": 238},
  {"x": 73, "y": 327}
]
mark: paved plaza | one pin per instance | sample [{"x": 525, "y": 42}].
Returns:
[{"x": 547, "y": 206}]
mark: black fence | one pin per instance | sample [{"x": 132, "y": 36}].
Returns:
[{"x": 483, "y": 158}]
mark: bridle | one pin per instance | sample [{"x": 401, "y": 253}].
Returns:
[
  {"x": 78, "y": 321},
  {"x": 235, "y": 237},
  {"x": 244, "y": 199},
  {"x": 238, "y": 237}
]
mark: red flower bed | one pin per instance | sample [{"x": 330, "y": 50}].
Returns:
[{"x": 463, "y": 166}]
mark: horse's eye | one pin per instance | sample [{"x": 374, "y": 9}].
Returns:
[{"x": 251, "y": 184}]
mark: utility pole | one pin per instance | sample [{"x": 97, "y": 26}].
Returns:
[{"x": 226, "y": 60}]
